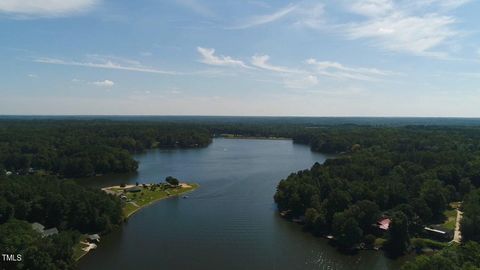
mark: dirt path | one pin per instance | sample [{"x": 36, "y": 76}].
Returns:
[{"x": 457, "y": 236}]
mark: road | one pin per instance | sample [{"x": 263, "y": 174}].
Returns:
[{"x": 457, "y": 236}]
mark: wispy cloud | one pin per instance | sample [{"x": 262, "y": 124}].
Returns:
[
  {"x": 262, "y": 61},
  {"x": 208, "y": 57},
  {"x": 104, "y": 83},
  {"x": 107, "y": 62},
  {"x": 197, "y": 7},
  {"x": 419, "y": 27},
  {"x": 265, "y": 19},
  {"x": 45, "y": 8},
  {"x": 339, "y": 71},
  {"x": 305, "y": 76}
]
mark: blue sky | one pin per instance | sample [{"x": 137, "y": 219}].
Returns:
[{"x": 230, "y": 57}]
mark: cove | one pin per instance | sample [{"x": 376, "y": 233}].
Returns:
[{"x": 230, "y": 222}]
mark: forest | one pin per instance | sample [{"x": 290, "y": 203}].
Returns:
[
  {"x": 54, "y": 203},
  {"x": 38, "y": 160},
  {"x": 86, "y": 148},
  {"x": 408, "y": 174}
]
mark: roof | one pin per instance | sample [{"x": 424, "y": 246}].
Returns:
[
  {"x": 134, "y": 189},
  {"x": 384, "y": 224},
  {"x": 50, "y": 231},
  {"x": 38, "y": 227},
  {"x": 93, "y": 236},
  {"x": 434, "y": 230}
]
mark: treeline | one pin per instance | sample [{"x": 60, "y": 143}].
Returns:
[
  {"x": 54, "y": 252},
  {"x": 54, "y": 203},
  {"x": 407, "y": 174},
  {"x": 85, "y": 148}
]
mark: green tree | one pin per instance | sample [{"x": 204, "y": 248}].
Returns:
[
  {"x": 398, "y": 238},
  {"x": 346, "y": 230},
  {"x": 172, "y": 180}
]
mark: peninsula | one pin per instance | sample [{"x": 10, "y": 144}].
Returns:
[{"x": 136, "y": 197}]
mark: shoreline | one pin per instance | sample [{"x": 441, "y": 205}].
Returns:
[
  {"x": 183, "y": 188},
  {"x": 191, "y": 187},
  {"x": 241, "y": 137}
]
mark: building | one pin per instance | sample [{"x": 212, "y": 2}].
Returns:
[
  {"x": 439, "y": 233},
  {"x": 93, "y": 237},
  {"x": 50, "y": 232},
  {"x": 41, "y": 230},
  {"x": 384, "y": 224},
  {"x": 134, "y": 189},
  {"x": 38, "y": 227}
]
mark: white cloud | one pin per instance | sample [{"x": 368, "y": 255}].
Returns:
[
  {"x": 209, "y": 58},
  {"x": 32, "y": 76},
  {"x": 420, "y": 27},
  {"x": 339, "y": 71},
  {"x": 371, "y": 7},
  {"x": 261, "y": 61},
  {"x": 312, "y": 15},
  {"x": 45, "y": 8},
  {"x": 445, "y": 4},
  {"x": 305, "y": 76},
  {"x": 412, "y": 34},
  {"x": 107, "y": 62},
  {"x": 265, "y": 19},
  {"x": 104, "y": 83}
]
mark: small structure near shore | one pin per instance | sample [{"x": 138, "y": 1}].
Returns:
[
  {"x": 436, "y": 232},
  {"x": 134, "y": 189},
  {"x": 93, "y": 237}
]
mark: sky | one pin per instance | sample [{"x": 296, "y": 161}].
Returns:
[{"x": 245, "y": 58}]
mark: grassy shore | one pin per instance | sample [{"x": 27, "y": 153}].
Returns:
[
  {"x": 136, "y": 201},
  {"x": 147, "y": 196}
]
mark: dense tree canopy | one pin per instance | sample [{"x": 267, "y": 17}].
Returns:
[
  {"x": 52, "y": 202},
  {"x": 462, "y": 257},
  {"x": 58, "y": 203},
  {"x": 54, "y": 252},
  {"x": 85, "y": 148},
  {"x": 408, "y": 174}
]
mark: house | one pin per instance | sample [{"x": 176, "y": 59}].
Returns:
[
  {"x": 38, "y": 227},
  {"x": 93, "y": 237},
  {"x": 134, "y": 189},
  {"x": 50, "y": 232},
  {"x": 384, "y": 224},
  {"x": 41, "y": 229}
]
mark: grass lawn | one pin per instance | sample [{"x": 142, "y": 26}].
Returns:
[
  {"x": 147, "y": 196},
  {"x": 451, "y": 215},
  {"x": 77, "y": 249},
  {"x": 450, "y": 223}
]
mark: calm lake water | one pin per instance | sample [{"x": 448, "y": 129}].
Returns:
[{"x": 230, "y": 222}]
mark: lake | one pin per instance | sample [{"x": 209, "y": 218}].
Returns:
[{"x": 230, "y": 222}]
